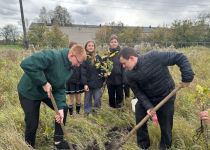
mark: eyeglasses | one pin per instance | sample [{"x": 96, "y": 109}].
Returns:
[{"x": 78, "y": 60}]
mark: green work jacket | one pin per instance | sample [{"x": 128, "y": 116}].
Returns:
[{"x": 57, "y": 69}]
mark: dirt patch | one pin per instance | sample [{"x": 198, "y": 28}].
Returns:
[
  {"x": 93, "y": 146},
  {"x": 115, "y": 135}
]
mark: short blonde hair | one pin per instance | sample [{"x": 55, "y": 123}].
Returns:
[{"x": 78, "y": 50}]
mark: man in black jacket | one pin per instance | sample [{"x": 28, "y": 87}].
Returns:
[{"x": 151, "y": 82}]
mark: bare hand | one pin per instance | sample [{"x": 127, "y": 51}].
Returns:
[
  {"x": 47, "y": 88},
  {"x": 184, "y": 84},
  {"x": 86, "y": 88},
  {"x": 151, "y": 114},
  {"x": 59, "y": 118},
  {"x": 105, "y": 75},
  {"x": 204, "y": 116}
]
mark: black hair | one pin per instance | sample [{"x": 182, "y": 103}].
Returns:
[{"x": 127, "y": 52}]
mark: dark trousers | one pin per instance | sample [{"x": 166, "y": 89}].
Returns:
[
  {"x": 127, "y": 90},
  {"x": 165, "y": 119},
  {"x": 31, "y": 110},
  {"x": 118, "y": 89}
]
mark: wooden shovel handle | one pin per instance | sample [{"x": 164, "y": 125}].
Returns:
[{"x": 147, "y": 117}]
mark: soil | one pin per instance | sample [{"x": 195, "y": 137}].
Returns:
[{"x": 114, "y": 135}]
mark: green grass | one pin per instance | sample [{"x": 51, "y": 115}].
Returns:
[
  {"x": 84, "y": 130},
  {"x": 10, "y": 47}
]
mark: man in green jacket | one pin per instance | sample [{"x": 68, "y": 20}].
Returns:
[{"x": 34, "y": 88}]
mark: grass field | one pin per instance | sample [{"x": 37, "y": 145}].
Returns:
[{"x": 96, "y": 131}]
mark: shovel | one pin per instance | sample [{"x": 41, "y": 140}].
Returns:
[
  {"x": 55, "y": 108},
  {"x": 115, "y": 145}
]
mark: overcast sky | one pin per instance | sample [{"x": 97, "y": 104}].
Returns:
[{"x": 95, "y": 12}]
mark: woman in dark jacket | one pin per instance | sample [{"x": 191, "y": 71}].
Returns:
[
  {"x": 91, "y": 79},
  {"x": 74, "y": 88},
  {"x": 117, "y": 78}
]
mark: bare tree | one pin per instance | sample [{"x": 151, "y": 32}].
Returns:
[
  {"x": 50, "y": 15},
  {"x": 5, "y": 33},
  {"x": 9, "y": 33},
  {"x": 43, "y": 16},
  {"x": 27, "y": 23},
  {"x": 13, "y": 33},
  {"x": 59, "y": 15},
  {"x": 62, "y": 16},
  {"x": 203, "y": 17}
]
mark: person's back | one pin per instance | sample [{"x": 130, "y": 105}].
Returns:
[
  {"x": 57, "y": 73},
  {"x": 152, "y": 76}
]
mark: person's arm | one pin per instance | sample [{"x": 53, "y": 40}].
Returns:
[
  {"x": 169, "y": 58},
  {"x": 60, "y": 100},
  {"x": 140, "y": 95},
  {"x": 33, "y": 64},
  {"x": 60, "y": 97},
  {"x": 84, "y": 76}
]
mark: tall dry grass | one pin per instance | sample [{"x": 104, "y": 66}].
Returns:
[{"x": 84, "y": 130}]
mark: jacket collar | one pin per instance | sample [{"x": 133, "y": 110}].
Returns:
[
  {"x": 115, "y": 49},
  {"x": 67, "y": 63},
  {"x": 137, "y": 64}
]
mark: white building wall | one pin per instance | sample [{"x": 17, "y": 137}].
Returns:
[{"x": 80, "y": 35}]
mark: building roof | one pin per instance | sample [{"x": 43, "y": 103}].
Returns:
[{"x": 145, "y": 29}]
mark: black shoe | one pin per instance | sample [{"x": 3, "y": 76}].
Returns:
[
  {"x": 142, "y": 147},
  {"x": 119, "y": 105},
  {"x": 78, "y": 108},
  {"x": 64, "y": 145},
  {"x": 70, "y": 110}
]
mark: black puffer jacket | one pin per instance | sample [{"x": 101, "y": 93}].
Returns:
[
  {"x": 75, "y": 77},
  {"x": 150, "y": 79},
  {"x": 90, "y": 74},
  {"x": 117, "y": 75}
]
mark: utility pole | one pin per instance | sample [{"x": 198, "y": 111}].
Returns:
[{"x": 23, "y": 24}]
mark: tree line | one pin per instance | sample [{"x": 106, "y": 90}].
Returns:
[
  {"x": 186, "y": 31},
  {"x": 57, "y": 17}
]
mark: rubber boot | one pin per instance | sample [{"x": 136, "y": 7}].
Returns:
[
  {"x": 78, "y": 108},
  {"x": 70, "y": 109}
]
